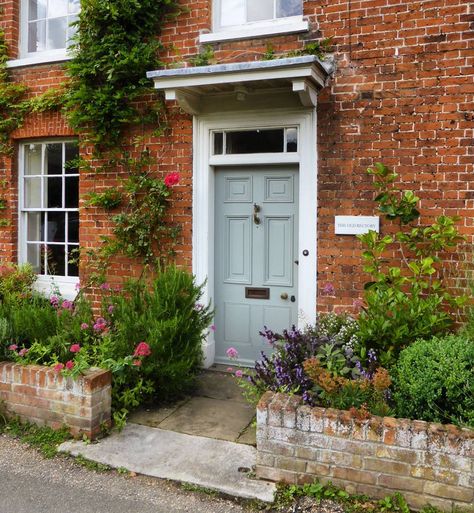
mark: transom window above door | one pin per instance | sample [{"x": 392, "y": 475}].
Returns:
[
  {"x": 46, "y": 26},
  {"x": 49, "y": 208},
  {"x": 240, "y": 12},
  {"x": 265, "y": 140}
]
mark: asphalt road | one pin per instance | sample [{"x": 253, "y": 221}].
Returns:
[{"x": 31, "y": 484}]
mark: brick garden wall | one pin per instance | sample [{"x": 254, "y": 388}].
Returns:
[
  {"x": 38, "y": 394},
  {"x": 402, "y": 94},
  {"x": 428, "y": 463}
]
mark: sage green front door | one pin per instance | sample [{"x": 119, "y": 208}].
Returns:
[{"x": 256, "y": 221}]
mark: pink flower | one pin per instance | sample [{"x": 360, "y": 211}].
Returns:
[
  {"x": 213, "y": 328},
  {"x": 105, "y": 286},
  {"x": 12, "y": 347},
  {"x": 69, "y": 365},
  {"x": 78, "y": 286},
  {"x": 238, "y": 373},
  {"x": 137, "y": 363},
  {"x": 230, "y": 369},
  {"x": 58, "y": 367},
  {"x": 171, "y": 179},
  {"x": 143, "y": 349},
  {"x": 84, "y": 326},
  {"x": 329, "y": 289},
  {"x": 67, "y": 305},
  {"x": 23, "y": 352},
  {"x": 232, "y": 352},
  {"x": 100, "y": 324},
  {"x": 110, "y": 309},
  {"x": 75, "y": 348},
  {"x": 54, "y": 300}
]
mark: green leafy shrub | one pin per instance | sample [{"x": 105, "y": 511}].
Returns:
[
  {"x": 434, "y": 380},
  {"x": 407, "y": 301},
  {"x": 168, "y": 317},
  {"x": 16, "y": 281}
]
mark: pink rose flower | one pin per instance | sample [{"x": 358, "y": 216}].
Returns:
[
  {"x": 75, "y": 348},
  {"x": 238, "y": 373},
  {"x": 54, "y": 300},
  {"x": 23, "y": 352},
  {"x": 143, "y": 349},
  {"x": 12, "y": 347},
  {"x": 69, "y": 365},
  {"x": 67, "y": 305},
  {"x": 232, "y": 352},
  {"x": 137, "y": 363},
  {"x": 84, "y": 326},
  {"x": 58, "y": 367},
  {"x": 171, "y": 179}
]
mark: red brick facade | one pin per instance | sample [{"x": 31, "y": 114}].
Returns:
[{"x": 402, "y": 94}]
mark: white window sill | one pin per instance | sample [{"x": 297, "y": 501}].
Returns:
[
  {"x": 270, "y": 28},
  {"x": 50, "y": 285},
  {"x": 41, "y": 58}
]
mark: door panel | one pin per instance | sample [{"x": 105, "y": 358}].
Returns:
[{"x": 256, "y": 219}]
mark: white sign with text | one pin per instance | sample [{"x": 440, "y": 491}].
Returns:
[{"x": 356, "y": 225}]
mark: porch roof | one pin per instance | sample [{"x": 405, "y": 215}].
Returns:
[{"x": 303, "y": 75}]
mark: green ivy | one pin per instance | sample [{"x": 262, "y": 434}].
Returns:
[{"x": 115, "y": 45}]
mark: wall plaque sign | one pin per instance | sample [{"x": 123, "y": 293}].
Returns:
[{"x": 356, "y": 225}]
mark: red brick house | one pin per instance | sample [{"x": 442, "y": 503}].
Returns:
[{"x": 269, "y": 151}]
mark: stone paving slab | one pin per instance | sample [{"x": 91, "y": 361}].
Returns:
[
  {"x": 202, "y": 416},
  {"x": 164, "y": 454}
]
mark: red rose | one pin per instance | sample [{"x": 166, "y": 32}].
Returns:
[
  {"x": 143, "y": 349},
  {"x": 171, "y": 179}
]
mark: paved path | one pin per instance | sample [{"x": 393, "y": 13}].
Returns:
[
  {"x": 31, "y": 484},
  {"x": 216, "y": 464}
]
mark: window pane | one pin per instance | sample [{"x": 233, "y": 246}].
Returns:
[
  {"x": 35, "y": 226},
  {"x": 57, "y": 8},
  {"x": 72, "y": 192},
  {"x": 72, "y": 153},
  {"x": 36, "y": 36},
  {"x": 56, "y": 260},
  {"x": 71, "y": 29},
  {"x": 232, "y": 12},
  {"x": 36, "y": 9},
  {"x": 53, "y": 163},
  {"x": 254, "y": 141},
  {"x": 73, "y": 261},
  {"x": 33, "y": 193},
  {"x": 56, "y": 229},
  {"x": 258, "y": 10},
  {"x": 54, "y": 194},
  {"x": 33, "y": 256},
  {"x": 291, "y": 140},
  {"x": 33, "y": 159},
  {"x": 218, "y": 143},
  {"x": 289, "y": 8},
  {"x": 73, "y": 227},
  {"x": 74, "y": 6},
  {"x": 56, "y": 33}
]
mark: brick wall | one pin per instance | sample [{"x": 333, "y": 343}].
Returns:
[
  {"x": 402, "y": 94},
  {"x": 428, "y": 463},
  {"x": 38, "y": 394}
]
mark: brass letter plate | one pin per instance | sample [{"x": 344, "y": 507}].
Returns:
[{"x": 257, "y": 293}]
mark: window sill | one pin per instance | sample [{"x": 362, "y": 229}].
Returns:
[
  {"x": 284, "y": 26},
  {"x": 49, "y": 285},
  {"x": 41, "y": 58}
]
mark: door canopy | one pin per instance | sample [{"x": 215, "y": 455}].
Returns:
[{"x": 190, "y": 87}]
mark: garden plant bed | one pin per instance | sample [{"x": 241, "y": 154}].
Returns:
[
  {"x": 40, "y": 395},
  {"x": 427, "y": 462}
]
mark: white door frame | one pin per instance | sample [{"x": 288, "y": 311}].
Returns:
[{"x": 203, "y": 198}]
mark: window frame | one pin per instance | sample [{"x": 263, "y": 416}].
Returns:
[
  {"x": 48, "y": 284},
  {"x": 274, "y": 26},
  {"x": 26, "y": 57}
]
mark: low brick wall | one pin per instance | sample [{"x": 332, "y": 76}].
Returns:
[
  {"x": 40, "y": 395},
  {"x": 427, "y": 463}
]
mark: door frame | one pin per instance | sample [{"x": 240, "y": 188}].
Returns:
[{"x": 204, "y": 197}]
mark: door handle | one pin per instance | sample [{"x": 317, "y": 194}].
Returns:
[
  {"x": 256, "y": 210},
  {"x": 284, "y": 296}
]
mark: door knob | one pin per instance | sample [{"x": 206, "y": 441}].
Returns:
[{"x": 284, "y": 296}]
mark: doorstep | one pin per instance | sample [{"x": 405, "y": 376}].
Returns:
[{"x": 215, "y": 464}]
